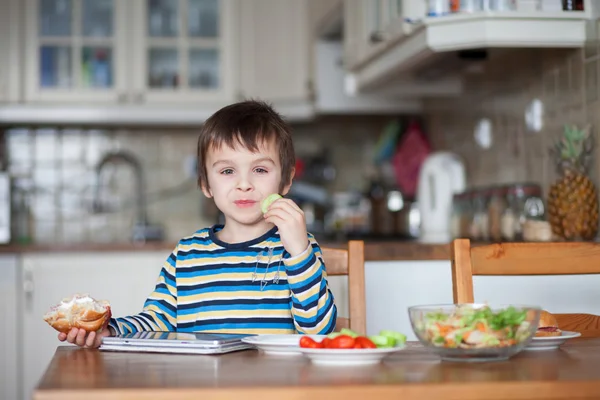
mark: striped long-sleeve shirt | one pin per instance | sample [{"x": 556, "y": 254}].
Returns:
[{"x": 250, "y": 287}]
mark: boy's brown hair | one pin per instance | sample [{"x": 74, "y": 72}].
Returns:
[{"x": 247, "y": 123}]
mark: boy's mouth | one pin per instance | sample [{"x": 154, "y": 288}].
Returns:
[{"x": 245, "y": 203}]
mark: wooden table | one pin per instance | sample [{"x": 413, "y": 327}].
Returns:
[{"x": 569, "y": 373}]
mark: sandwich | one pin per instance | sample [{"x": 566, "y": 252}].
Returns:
[
  {"x": 547, "y": 325},
  {"x": 80, "y": 311}
]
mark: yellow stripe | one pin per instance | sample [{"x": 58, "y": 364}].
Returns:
[
  {"x": 256, "y": 331},
  {"x": 194, "y": 262},
  {"x": 162, "y": 296},
  {"x": 309, "y": 293},
  {"x": 278, "y": 294},
  {"x": 204, "y": 315},
  {"x": 153, "y": 311},
  {"x": 234, "y": 276},
  {"x": 198, "y": 246}
]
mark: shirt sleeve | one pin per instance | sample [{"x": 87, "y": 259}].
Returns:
[
  {"x": 160, "y": 309},
  {"x": 312, "y": 303}
]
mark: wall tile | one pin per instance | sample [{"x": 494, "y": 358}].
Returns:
[{"x": 566, "y": 84}]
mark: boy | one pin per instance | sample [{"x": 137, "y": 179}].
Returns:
[{"x": 256, "y": 273}]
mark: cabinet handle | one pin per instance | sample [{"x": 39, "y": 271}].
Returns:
[
  {"x": 122, "y": 98},
  {"x": 28, "y": 286},
  {"x": 140, "y": 98}
]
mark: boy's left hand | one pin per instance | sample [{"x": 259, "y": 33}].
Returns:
[{"x": 289, "y": 218}]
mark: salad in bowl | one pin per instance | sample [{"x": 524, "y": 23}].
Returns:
[{"x": 474, "y": 332}]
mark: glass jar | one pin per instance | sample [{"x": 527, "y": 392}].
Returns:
[
  {"x": 528, "y": 204},
  {"x": 456, "y": 215},
  {"x": 510, "y": 215},
  {"x": 496, "y": 206},
  {"x": 480, "y": 221},
  {"x": 466, "y": 216}
]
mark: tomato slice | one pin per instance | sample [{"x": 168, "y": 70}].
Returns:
[
  {"x": 365, "y": 343},
  {"x": 342, "y": 342},
  {"x": 309, "y": 343}
]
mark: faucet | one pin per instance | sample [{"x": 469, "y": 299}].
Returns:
[{"x": 142, "y": 230}]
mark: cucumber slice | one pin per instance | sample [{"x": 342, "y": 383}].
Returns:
[
  {"x": 399, "y": 338},
  {"x": 264, "y": 206},
  {"x": 349, "y": 332},
  {"x": 383, "y": 341},
  {"x": 333, "y": 335}
]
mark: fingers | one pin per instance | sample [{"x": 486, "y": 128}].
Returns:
[
  {"x": 285, "y": 209},
  {"x": 90, "y": 341},
  {"x": 72, "y": 335},
  {"x": 80, "y": 338},
  {"x": 285, "y": 204}
]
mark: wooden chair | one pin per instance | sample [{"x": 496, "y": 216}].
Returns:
[
  {"x": 351, "y": 262},
  {"x": 526, "y": 259}
]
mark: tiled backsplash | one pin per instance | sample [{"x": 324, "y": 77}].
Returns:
[
  {"x": 566, "y": 81},
  {"x": 57, "y": 170}
]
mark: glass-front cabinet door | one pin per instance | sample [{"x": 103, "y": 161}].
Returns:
[
  {"x": 76, "y": 50},
  {"x": 185, "y": 51}
]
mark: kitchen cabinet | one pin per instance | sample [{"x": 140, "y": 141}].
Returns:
[
  {"x": 125, "y": 279},
  {"x": 129, "y": 52},
  {"x": 275, "y": 46},
  {"x": 76, "y": 50},
  {"x": 184, "y": 50},
  {"x": 10, "y": 61},
  {"x": 9, "y": 333},
  {"x": 395, "y": 39}
]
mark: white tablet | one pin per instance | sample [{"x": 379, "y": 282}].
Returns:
[{"x": 176, "y": 342}]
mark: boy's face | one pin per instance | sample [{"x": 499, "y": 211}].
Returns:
[{"x": 239, "y": 180}]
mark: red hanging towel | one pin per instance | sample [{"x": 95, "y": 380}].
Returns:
[{"x": 412, "y": 150}]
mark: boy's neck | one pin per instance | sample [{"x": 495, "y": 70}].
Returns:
[{"x": 241, "y": 233}]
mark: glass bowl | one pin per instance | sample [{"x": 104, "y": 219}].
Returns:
[{"x": 474, "y": 332}]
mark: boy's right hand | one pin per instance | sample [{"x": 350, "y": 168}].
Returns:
[{"x": 82, "y": 338}]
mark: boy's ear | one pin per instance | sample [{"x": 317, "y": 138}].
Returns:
[
  {"x": 207, "y": 192},
  {"x": 287, "y": 187}
]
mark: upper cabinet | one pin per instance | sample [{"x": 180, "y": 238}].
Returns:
[
  {"x": 275, "y": 45},
  {"x": 76, "y": 50},
  {"x": 184, "y": 50},
  {"x": 9, "y": 48},
  {"x": 385, "y": 39},
  {"x": 132, "y": 52}
]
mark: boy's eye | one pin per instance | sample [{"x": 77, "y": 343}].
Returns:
[
  {"x": 227, "y": 171},
  {"x": 261, "y": 170}
]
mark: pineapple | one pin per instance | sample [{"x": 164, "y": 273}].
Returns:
[{"x": 573, "y": 199}]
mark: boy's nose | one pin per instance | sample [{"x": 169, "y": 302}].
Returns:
[{"x": 244, "y": 184}]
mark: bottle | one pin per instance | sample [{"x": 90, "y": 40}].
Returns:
[{"x": 573, "y": 5}]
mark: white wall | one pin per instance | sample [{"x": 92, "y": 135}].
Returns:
[{"x": 393, "y": 286}]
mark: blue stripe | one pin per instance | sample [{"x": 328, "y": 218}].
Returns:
[
  {"x": 228, "y": 289},
  {"x": 306, "y": 284},
  {"x": 234, "y": 307},
  {"x": 318, "y": 317},
  {"x": 220, "y": 269},
  {"x": 302, "y": 305},
  {"x": 165, "y": 307},
  {"x": 203, "y": 254},
  {"x": 238, "y": 326}
]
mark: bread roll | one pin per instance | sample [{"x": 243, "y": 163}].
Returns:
[
  {"x": 80, "y": 311},
  {"x": 548, "y": 326}
]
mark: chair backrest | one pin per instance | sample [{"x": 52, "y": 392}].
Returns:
[
  {"x": 567, "y": 258},
  {"x": 351, "y": 262}
]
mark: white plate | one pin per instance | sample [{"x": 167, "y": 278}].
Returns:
[
  {"x": 551, "y": 342},
  {"x": 283, "y": 345},
  {"x": 348, "y": 357}
]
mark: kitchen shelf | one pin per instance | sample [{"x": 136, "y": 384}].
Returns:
[
  {"x": 434, "y": 35},
  {"x": 149, "y": 114}
]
